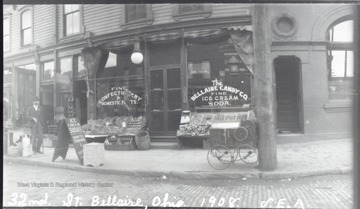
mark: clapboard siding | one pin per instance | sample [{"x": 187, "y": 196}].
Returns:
[
  {"x": 43, "y": 25},
  {"x": 228, "y": 10},
  {"x": 102, "y": 18},
  {"x": 163, "y": 13}
]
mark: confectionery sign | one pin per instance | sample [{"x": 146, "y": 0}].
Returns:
[{"x": 119, "y": 96}]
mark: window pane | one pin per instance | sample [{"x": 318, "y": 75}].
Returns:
[
  {"x": 344, "y": 31},
  {"x": 71, "y": 8},
  {"x": 174, "y": 99},
  {"x": 76, "y": 22},
  {"x": 80, "y": 67},
  {"x": 111, "y": 62},
  {"x": 191, "y": 8},
  {"x": 350, "y": 64},
  {"x": 67, "y": 8},
  {"x": 157, "y": 100},
  {"x": 156, "y": 78},
  {"x": 69, "y": 24},
  {"x": 26, "y": 19},
  {"x": 173, "y": 78},
  {"x": 66, "y": 66},
  {"x": 28, "y": 67},
  {"x": 338, "y": 64},
  {"x": 6, "y": 27},
  {"x": 48, "y": 71},
  {"x": 27, "y": 36},
  {"x": 135, "y": 12}
]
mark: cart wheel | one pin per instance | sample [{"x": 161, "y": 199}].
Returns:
[
  {"x": 241, "y": 134},
  {"x": 219, "y": 157},
  {"x": 248, "y": 154}
]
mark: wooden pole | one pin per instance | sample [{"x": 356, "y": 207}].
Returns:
[{"x": 264, "y": 88}]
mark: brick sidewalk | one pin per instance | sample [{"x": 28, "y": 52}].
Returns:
[{"x": 294, "y": 160}]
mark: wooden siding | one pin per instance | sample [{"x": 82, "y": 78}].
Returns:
[
  {"x": 102, "y": 18},
  {"x": 44, "y": 25},
  {"x": 163, "y": 13},
  {"x": 228, "y": 10}
]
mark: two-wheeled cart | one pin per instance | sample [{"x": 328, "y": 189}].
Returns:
[{"x": 231, "y": 142}]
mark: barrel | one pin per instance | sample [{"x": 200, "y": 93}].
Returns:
[{"x": 142, "y": 140}]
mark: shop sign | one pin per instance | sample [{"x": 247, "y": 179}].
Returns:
[
  {"x": 119, "y": 96},
  {"x": 219, "y": 95}
]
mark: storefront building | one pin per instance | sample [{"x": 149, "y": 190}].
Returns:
[{"x": 192, "y": 57}]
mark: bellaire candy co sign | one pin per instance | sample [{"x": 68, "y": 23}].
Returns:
[{"x": 219, "y": 95}]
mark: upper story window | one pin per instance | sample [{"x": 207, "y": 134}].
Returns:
[
  {"x": 340, "y": 53},
  {"x": 6, "y": 34},
  {"x": 183, "y": 11},
  {"x": 135, "y": 15},
  {"x": 26, "y": 28},
  {"x": 191, "y": 8},
  {"x": 71, "y": 19},
  {"x": 135, "y": 12}
]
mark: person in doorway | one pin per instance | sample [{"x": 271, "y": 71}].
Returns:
[
  {"x": 33, "y": 115},
  {"x": 59, "y": 117}
]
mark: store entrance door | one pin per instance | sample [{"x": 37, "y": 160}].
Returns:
[
  {"x": 288, "y": 94},
  {"x": 164, "y": 110}
]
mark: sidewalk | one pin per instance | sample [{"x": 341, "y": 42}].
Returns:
[{"x": 294, "y": 160}]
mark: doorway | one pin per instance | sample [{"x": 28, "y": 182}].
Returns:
[
  {"x": 288, "y": 94},
  {"x": 165, "y": 101}
]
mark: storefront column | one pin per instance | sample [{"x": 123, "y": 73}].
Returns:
[
  {"x": 264, "y": 89},
  {"x": 14, "y": 93}
]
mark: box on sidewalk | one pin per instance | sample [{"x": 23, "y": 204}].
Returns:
[{"x": 93, "y": 154}]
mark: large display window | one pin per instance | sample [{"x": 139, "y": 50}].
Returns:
[
  {"x": 217, "y": 77},
  {"x": 120, "y": 87}
]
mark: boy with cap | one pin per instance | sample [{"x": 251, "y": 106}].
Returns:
[{"x": 34, "y": 117}]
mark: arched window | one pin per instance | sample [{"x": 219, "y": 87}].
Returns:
[
  {"x": 26, "y": 28},
  {"x": 340, "y": 54}
]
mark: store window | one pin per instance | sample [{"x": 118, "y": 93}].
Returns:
[
  {"x": 64, "y": 74},
  {"x": 26, "y": 28},
  {"x": 71, "y": 19},
  {"x": 6, "y": 34},
  {"x": 340, "y": 54},
  {"x": 120, "y": 87},
  {"x": 217, "y": 77},
  {"x": 47, "y": 71}
]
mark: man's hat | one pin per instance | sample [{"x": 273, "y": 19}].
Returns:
[{"x": 36, "y": 99}]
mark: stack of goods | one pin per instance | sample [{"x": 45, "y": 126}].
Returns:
[
  {"x": 114, "y": 126},
  {"x": 196, "y": 126}
]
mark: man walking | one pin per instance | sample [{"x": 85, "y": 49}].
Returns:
[{"x": 34, "y": 117}]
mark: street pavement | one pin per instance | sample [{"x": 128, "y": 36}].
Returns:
[
  {"x": 294, "y": 160},
  {"x": 28, "y": 185}
]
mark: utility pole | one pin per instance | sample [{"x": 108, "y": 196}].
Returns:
[{"x": 264, "y": 84}]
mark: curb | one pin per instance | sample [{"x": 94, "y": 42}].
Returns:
[{"x": 185, "y": 175}]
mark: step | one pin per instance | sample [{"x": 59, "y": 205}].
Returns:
[{"x": 163, "y": 145}]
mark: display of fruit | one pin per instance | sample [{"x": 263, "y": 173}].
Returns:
[{"x": 122, "y": 125}]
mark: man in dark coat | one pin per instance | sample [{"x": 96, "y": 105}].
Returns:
[{"x": 36, "y": 124}]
